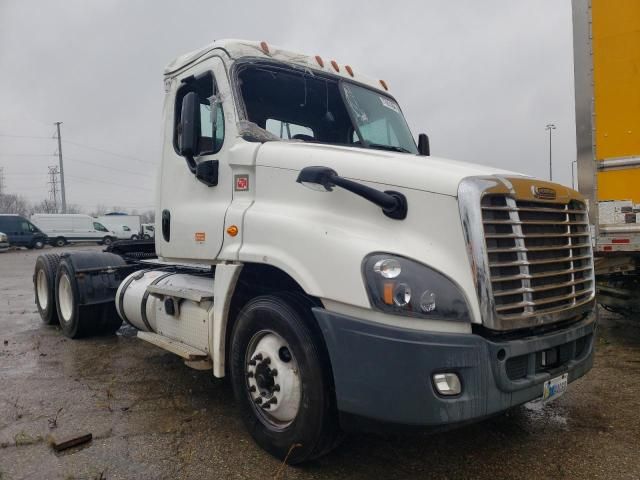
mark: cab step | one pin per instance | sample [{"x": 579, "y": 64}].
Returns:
[{"x": 181, "y": 349}]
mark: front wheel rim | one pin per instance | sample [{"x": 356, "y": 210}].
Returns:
[
  {"x": 272, "y": 379},
  {"x": 65, "y": 298},
  {"x": 42, "y": 287}
]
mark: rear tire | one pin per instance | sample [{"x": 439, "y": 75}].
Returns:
[
  {"x": 76, "y": 320},
  {"x": 298, "y": 431},
  {"x": 60, "y": 242},
  {"x": 146, "y": 236},
  {"x": 134, "y": 237},
  {"x": 44, "y": 279}
]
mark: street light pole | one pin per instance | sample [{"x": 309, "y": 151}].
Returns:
[
  {"x": 573, "y": 177},
  {"x": 549, "y": 127}
]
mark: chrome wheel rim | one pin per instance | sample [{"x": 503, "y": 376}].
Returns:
[
  {"x": 273, "y": 379},
  {"x": 65, "y": 298},
  {"x": 42, "y": 288}
]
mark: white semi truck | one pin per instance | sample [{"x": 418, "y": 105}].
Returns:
[{"x": 339, "y": 274}]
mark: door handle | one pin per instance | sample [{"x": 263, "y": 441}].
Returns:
[{"x": 166, "y": 225}]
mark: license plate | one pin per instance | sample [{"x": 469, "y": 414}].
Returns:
[{"x": 555, "y": 387}]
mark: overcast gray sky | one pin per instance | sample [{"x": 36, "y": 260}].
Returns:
[{"x": 482, "y": 78}]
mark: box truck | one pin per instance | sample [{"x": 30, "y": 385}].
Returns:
[
  {"x": 607, "y": 77},
  {"x": 311, "y": 250},
  {"x": 65, "y": 228}
]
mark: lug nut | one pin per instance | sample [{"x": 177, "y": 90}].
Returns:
[
  {"x": 274, "y": 372},
  {"x": 249, "y": 374},
  {"x": 276, "y": 388},
  {"x": 252, "y": 362},
  {"x": 266, "y": 406},
  {"x": 267, "y": 361},
  {"x": 273, "y": 400},
  {"x": 258, "y": 357},
  {"x": 259, "y": 400},
  {"x": 252, "y": 388}
]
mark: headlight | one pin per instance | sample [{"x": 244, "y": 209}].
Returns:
[
  {"x": 405, "y": 287},
  {"x": 3, "y": 237}
]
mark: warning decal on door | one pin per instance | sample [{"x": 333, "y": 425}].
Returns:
[{"x": 200, "y": 237}]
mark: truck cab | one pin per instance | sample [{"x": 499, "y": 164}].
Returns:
[{"x": 341, "y": 275}]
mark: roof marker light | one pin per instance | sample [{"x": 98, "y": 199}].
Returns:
[
  {"x": 319, "y": 60},
  {"x": 264, "y": 47},
  {"x": 349, "y": 70},
  {"x": 384, "y": 85},
  {"x": 335, "y": 66}
]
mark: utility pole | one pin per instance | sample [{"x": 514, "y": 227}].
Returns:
[
  {"x": 53, "y": 190},
  {"x": 549, "y": 127},
  {"x": 1, "y": 180},
  {"x": 62, "y": 189}
]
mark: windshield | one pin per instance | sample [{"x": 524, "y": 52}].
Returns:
[{"x": 299, "y": 104}]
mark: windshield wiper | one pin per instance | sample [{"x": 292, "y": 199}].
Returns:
[{"x": 391, "y": 148}]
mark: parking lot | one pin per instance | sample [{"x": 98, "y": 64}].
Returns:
[{"x": 153, "y": 417}]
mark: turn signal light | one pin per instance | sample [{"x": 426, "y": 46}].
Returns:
[
  {"x": 335, "y": 66},
  {"x": 319, "y": 60},
  {"x": 232, "y": 231},
  {"x": 264, "y": 47},
  {"x": 349, "y": 70},
  {"x": 384, "y": 85}
]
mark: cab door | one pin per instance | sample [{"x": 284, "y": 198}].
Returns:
[{"x": 192, "y": 211}]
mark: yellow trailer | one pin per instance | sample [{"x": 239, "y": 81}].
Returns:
[{"x": 607, "y": 88}]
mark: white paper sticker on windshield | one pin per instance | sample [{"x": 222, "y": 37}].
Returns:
[{"x": 390, "y": 104}]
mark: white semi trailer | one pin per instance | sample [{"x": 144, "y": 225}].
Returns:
[{"x": 339, "y": 274}]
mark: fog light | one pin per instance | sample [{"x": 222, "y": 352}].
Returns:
[{"x": 447, "y": 383}]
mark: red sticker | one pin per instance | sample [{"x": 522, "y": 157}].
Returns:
[{"x": 242, "y": 183}]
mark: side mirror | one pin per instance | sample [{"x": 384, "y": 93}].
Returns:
[
  {"x": 393, "y": 204},
  {"x": 423, "y": 145},
  {"x": 189, "y": 133}
]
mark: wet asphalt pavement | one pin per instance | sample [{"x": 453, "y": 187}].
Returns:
[{"x": 153, "y": 417}]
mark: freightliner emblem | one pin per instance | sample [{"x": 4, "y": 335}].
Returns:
[{"x": 544, "y": 193}]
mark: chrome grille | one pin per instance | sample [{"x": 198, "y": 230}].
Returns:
[{"x": 539, "y": 255}]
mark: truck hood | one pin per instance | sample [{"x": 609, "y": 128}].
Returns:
[{"x": 431, "y": 174}]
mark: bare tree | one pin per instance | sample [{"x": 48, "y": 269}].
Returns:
[
  {"x": 11, "y": 203},
  {"x": 45, "y": 206},
  {"x": 148, "y": 216}
]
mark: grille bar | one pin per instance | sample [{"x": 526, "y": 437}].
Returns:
[
  {"x": 539, "y": 255},
  {"x": 539, "y": 235},
  {"x": 502, "y": 293},
  {"x": 555, "y": 273},
  {"x": 538, "y": 249},
  {"x": 541, "y": 302}
]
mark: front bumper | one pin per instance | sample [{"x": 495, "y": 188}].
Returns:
[
  {"x": 384, "y": 373},
  {"x": 4, "y": 246}
]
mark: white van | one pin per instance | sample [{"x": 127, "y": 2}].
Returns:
[
  {"x": 126, "y": 227},
  {"x": 71, "y": 228}
]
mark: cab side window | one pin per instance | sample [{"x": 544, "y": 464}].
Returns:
[{"x": 211, "y": 113}]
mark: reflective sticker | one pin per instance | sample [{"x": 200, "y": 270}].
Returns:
[
  {"x": 242, "y": 183},
  {"x": 200, "y": 237},
  {"x": 390, "y": 104}
]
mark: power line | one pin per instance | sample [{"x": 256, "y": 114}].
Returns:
[
  {"x": 25, "y": 136},
  {"x": 27, "y": 154},
  {"x": 108, "y": 167},
  {"x": 128, "y": 157},
  {"x": 137, "y": 187}
]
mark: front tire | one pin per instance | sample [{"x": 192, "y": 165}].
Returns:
[
  {"x": 38, "y": 244},
  {"x": 44, "y": 279},
  {"x": 275, "y": 354},
  {"x": 107, "y": 241}
]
